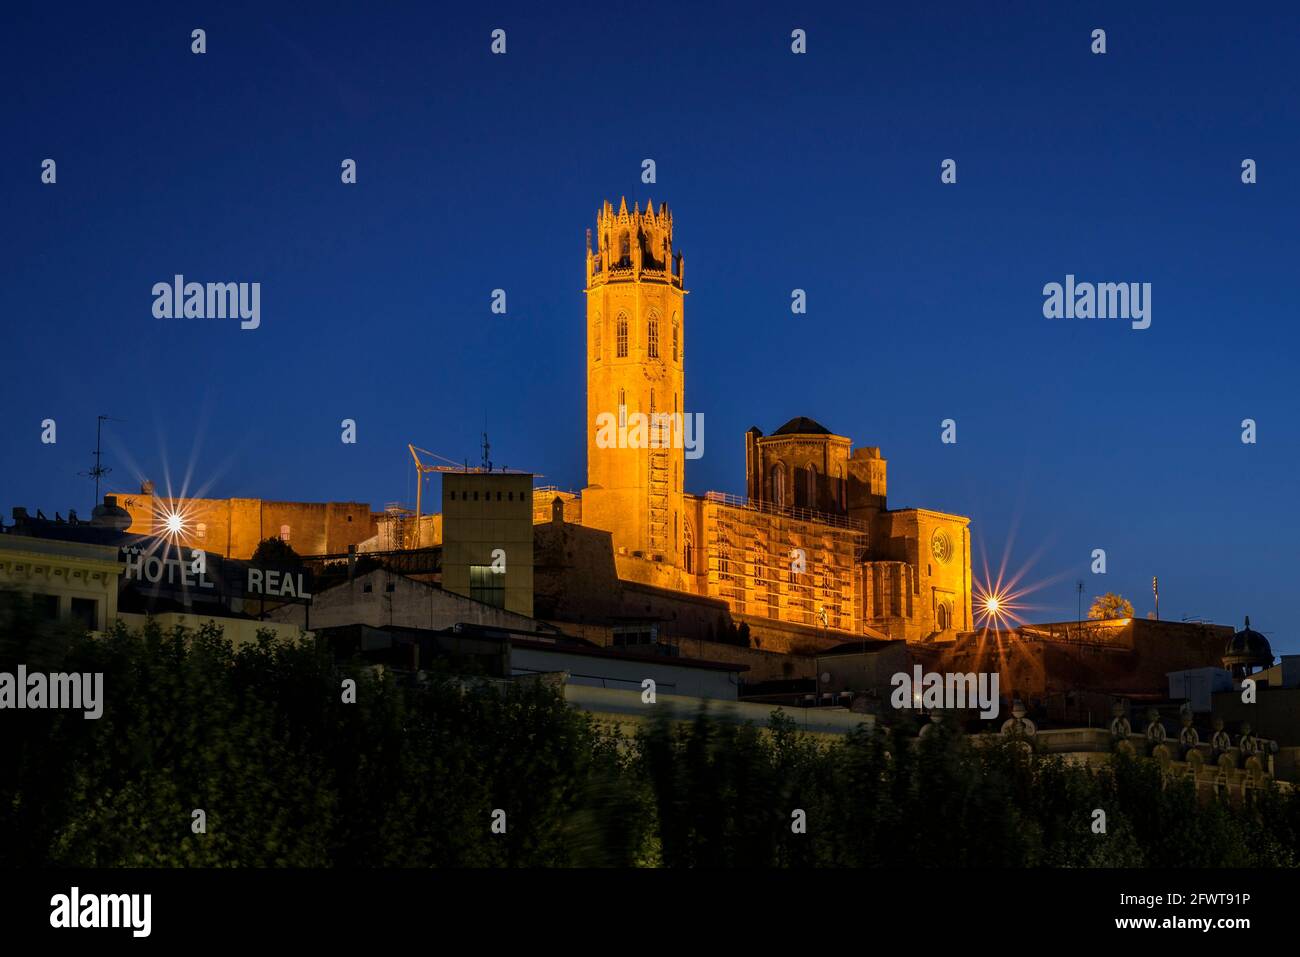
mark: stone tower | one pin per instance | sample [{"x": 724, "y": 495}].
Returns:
[{"x": 635, "y": 336}]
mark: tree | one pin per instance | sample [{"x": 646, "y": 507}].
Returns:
[
  {"x": 1111, "y": 605},
  {"x": 275, "y": 551}
]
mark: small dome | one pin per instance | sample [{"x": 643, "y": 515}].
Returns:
[
  {"x": 802, "y": 425},
  {"x": 111, "y": 515},
  {"x": 1248, "y": 647}
]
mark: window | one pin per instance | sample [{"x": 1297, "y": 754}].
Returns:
[
  {"x": 688, "y": 551},
  {"x": 284, "y": 533},
  {"x": 595, "y": 338},
  {"x": 45, "y": 607},
  {"x": 621, "y": 335},
  {"x": 85, "y": 611},
  {"x": 676, "y": 331},
  {"x": 624, "y": 246},
  {"x": 652, "y": 336},
  {"x": 941, "y": 618},
  {"x": 805, "y": 487},
  {"x": 487, "y": 586},
  {"x": 776, "y": 484}
]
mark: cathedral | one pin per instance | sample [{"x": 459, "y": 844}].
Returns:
[{"x": 812, "y": 543}]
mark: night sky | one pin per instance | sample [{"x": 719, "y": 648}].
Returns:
[{"x": 819, "y": 172}]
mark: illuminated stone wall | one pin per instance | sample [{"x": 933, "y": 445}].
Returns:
[{"x": 232, "y": 527}]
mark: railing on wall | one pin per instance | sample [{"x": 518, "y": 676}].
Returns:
[{"x": 788, "y": 511}]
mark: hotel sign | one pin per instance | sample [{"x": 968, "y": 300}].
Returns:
[{"x": 186, "y": 575}]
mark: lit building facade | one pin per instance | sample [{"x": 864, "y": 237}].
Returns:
[{"x": 812, "y": 543}]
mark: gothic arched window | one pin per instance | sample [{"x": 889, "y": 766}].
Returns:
[
  {"x": 688, "y": 550},
  {"x": 676, "y": 334},
  {"x": 652, "y": 336},
  {"x": 624, "y": 246},
  {"x": 621, "y": 335},
  {"x": 776, "y": 484},
  {"x": 810, "y": 490},
  {"x": 595, "y": 338}
]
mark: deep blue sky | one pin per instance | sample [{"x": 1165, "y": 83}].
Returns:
[{"x": 818, "y": 171}]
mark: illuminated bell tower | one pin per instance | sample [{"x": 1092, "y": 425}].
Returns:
[{"x": 635, "y": 364}]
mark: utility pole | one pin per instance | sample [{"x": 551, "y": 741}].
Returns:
[{"x": 1155, "y": 590}]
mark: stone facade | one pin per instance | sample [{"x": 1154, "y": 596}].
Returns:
[
  {"x": 635, "y": 292},
  {"x": 233, "y": 527},
  {"x": 812, "y": 543}
]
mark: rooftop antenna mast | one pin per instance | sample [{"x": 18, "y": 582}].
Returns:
[{"x": 99, "y": 471}]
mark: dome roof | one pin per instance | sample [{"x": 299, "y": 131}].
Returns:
[
  {"x": 802, "y": 425},
  {"x": 110, "y": 514},
  {"x": 1249, "y": 643}
]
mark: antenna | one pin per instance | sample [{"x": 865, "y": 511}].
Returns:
[
  {"x": 487, "y": 454},
  {"x": 99, "y": 471}
]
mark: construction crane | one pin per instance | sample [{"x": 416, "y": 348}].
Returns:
[{"x": 452, "y": 466}]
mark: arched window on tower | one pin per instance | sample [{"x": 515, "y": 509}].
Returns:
[
  {"x": 624, "y": 246},
  {"x": 688, "y": 550},
  {"x": 595, "y": 338},
  {"x": 652, "y": 336},
  {"x": 621, "y": 335},
  {"x": 801, "y": 487},
  {"x": 676, "y": 335},
  {"x": 776, "y": 484},
  {"x": 810, "y": 491}
]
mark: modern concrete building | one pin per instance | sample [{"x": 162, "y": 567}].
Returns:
[{"x": 487, "y": 538}]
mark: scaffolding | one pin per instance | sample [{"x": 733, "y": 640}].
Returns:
[
  {"x": 397, "y": 527},
  {"x": 753, "y": 562}
]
